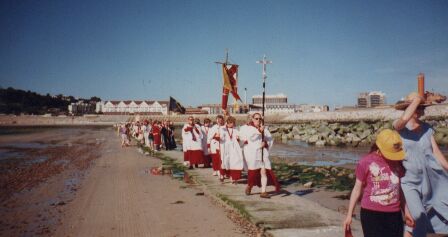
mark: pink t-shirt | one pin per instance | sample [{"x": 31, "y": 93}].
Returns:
[{"x": 381, "y": 183}]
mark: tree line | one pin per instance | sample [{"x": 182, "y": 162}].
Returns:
[{"x": 16, "y": 101}]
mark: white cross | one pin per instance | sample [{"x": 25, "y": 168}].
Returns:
[{"x": 264, "y": 62}]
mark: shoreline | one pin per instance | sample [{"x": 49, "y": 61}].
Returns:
[
  {"x": 113, "y": 196},
  {"x": 349, "y": 116}
]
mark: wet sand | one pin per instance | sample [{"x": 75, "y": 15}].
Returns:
[
  {"x": 41, "y": 171},
  {"x": 87, "y": 185},
  {"x": 78, "y": 181}
]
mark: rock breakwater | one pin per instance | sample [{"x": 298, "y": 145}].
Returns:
[{"x": 354, "y": 134}]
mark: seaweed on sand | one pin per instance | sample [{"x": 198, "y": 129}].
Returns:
[{"x": 329, "y": 177}]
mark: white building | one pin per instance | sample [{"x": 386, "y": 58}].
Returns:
[
  {"x": 371, "y": 99},
  {"x": 274, "y": 104},
  {"x": 278, "y": 104},
  {"x": 80, "y": 108},
  {"x": 216, "y": 108},
  {"x": 270, "y": 99},
  {"x": 143, "y": 107}
]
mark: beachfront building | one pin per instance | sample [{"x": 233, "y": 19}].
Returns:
[
  {"x": 191, "y": 110},
  {"x": 280, "y": 99},
  {"x": 278, "y": 104},
  {"x": 216, "y": 108},
  {"x": 81, "y": 107},
  {"x": 274, "y": 104},
  {"x": 371, "y": 99},
  {"x": 143, "y": 107}
]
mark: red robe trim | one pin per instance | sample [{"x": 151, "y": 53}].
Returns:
[
  {"x": 254, "y": 178},
  {"x": 156, "y": 134},
  {"x": 195, "y": 157},
  {"x": 216, "y": 161},
  {"x": 225, "y": 173},
  {"x": 235, "y": 174},
  {"x": 207, "y": 160}
]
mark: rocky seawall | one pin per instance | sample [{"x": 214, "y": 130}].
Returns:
[
  {"x": 357, "y": 127},
  {"x": 354, "y": 115},
  {"x": 354, "y": 134}
]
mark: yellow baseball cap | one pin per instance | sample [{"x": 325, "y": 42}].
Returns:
[{"x": 390, "y": 144}]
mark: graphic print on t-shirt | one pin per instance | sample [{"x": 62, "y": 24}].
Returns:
[{"x": 385, "y": 188}]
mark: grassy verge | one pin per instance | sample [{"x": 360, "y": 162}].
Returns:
[
  {"x": 170, "y": 165},
  {"x": 236, "y": 205}
]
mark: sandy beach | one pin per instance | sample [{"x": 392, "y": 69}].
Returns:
[
  {"x": 78, "y": 181},
  {"x": 88, "y": 185}
]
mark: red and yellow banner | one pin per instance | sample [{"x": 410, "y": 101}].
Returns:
[{"x": 229, "y": 77}]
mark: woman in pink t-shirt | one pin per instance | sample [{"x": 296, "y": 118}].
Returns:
[{"x": 378, "y": 182}]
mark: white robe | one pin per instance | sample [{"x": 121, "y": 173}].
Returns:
[
  {"x": 134, "y": 130},
  {"x": 214, "y": 144},
  {"x": 252, "y": 150},
  {"x": 144, "y": 134},
  {"x": 205, "y": 131},
  {"x": 188, "y": 144},
  {"x": 231, "y": 153}
]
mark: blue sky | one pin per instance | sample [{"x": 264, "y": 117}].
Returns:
[{"x": 323, "y": 52}]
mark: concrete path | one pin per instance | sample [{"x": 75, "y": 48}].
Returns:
[
  {"x": 119, "y": 198},
  {"x": 282, "y": 215}
]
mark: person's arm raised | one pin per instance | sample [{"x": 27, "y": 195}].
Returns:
[{"x": 407, "y": 114}]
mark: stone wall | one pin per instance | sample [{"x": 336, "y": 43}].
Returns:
[
  {"x": 323, "y": 133},
  {"x": 383, "y": 114},
  {"x": 29, "y": 120}
]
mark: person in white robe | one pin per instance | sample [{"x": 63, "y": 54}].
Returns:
[
  {"x": 192, "y": 143},
  {"x": 148, "y": 134},
  {"x": 231, "y": 152},
  {"x": 213, "y": 142},
  {"x": 205, "y": 128},
  {"x": 259, "y": 168}
]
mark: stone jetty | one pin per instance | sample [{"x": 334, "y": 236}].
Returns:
[
  {"x": 352, "y": 128},
  {"x": 353, "y": 134}
]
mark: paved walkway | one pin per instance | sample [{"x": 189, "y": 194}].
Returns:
[
  {"x": 282, "y": 215},
  {"x": 119, "y": 198}
]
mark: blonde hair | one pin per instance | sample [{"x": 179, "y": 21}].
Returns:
[{"x": 231, "y": 119}]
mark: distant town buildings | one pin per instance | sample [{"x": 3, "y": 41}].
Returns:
[
  {"x": 371, "y": 99},
  {"x": 273, "y": 104},
  {"x": 216, "y": 108},
  {"x": 81, "y": 107},
  {"x": 195, "y": 111},
  {"x": 270, "y": 99},
  {"x": 142, "y": 107},
  {"x": 278, "y": 104}
]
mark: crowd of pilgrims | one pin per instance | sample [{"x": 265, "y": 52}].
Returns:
[
  {"x": 221, "y": 146},
  {"x": 229, "y": 151},
  {"x": 156, "y": 134}
]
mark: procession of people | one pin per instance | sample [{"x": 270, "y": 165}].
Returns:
[
  {"x": 155, "y": 135},
  {"x": 224, "y": 147},
  {"x": 401, "y": 178},
  {"x": 229, "y": 150}
]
